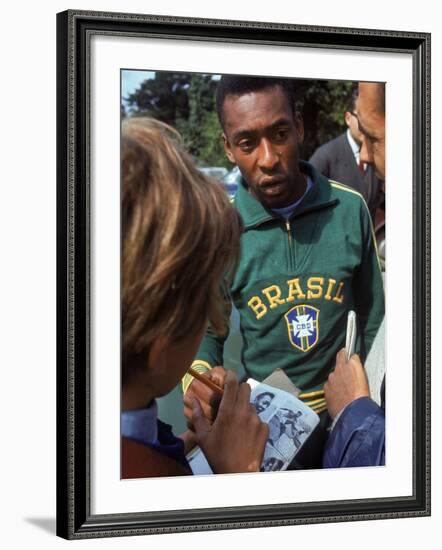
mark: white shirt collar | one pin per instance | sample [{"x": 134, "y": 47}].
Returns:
[{"x": 354, "y": 146}]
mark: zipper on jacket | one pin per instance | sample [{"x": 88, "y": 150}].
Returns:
[{"x": 291, "y": 249}]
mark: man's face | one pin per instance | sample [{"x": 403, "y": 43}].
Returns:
[
  {"x": 262, "y": 136},
  {"x": 372, "y": 126},
  {"x": 262, "y": 402}
]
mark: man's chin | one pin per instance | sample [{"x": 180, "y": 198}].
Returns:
[{"x": 275, "y": 198}]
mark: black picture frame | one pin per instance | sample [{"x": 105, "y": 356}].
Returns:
[{"x": 74, "y": 518}]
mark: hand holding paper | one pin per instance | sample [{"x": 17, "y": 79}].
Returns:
[{"x": 235, "y": 441}]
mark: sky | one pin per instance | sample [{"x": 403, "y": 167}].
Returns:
[{"x": 131, "y": 80}]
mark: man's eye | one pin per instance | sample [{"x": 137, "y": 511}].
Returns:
[
  {"x": 246, "y": 144},
  {"x": 281, "y": 134}
]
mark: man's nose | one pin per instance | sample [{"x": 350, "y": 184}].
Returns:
[
  {"x": 366, "y": 152},
  {"x": 268, "y": 156}
]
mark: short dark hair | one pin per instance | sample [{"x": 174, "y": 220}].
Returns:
[
  {"x": 239, "y": 85},
  {"x": 352, "y": 98},
  {"x": 270, "y": 394}
]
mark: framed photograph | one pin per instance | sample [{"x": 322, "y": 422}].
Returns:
[{"x": 112, "y": 68}]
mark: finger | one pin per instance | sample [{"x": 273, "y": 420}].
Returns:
[
  {"x": 330, "y": 382},
  {"x": 228, "y": 400},
  {"x": 214, "y": 404},
  {"x": 355, "y": 359},
  {"x": 358, "y": 369},
  {"x": 218, "y": 375},
  {"x": 326, "y": 389},
  {"x": 209, "y": 409},
  {"x": 200, "y": 390},
  {"x": 265, "y": 430},
  {"x": 200, "y": 422},
  {"x": 244, "y": 391},
  {"x": 217, "y": 378},
  {"x": 341, "y": 357},
  {"x": 209, "y": 402},
  {"x": 187, "y": 400},
  {"x": 263, "y": 436},
  {"x": 188, "y": 413}
]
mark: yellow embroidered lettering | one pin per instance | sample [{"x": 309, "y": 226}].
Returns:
[
  {"x": 339, "y": 298},
  {"x": 273, "y": 295},
  {"x": 295, "y": 290},
  {"x": 331, "y": 284},
  {"x": 314, "y": 285},
  {"x": 257, "y": 306}
]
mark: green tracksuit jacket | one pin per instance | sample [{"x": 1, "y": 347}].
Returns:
[{"x": 297, "y": 280}]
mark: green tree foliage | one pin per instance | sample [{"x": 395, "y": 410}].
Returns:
[
  {"x": 322, "y": 104},
  {"x": 187, "y": 102},
  {"x": 164, "y": 97},
  {"x": 212, "y": 150},
  {"x": 201, "y": 131}
]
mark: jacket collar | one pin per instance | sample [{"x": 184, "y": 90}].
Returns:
[{"x": 254, "y": 213}]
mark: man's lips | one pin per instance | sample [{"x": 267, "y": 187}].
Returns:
[
  {"x": 272, "y": 185},
  {"x": 269, "y": 181}
]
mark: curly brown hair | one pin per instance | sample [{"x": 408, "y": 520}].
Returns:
[{"x": 180, "y": 241}]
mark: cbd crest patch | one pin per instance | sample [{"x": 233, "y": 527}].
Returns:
[{"x": 303, "y": 326}]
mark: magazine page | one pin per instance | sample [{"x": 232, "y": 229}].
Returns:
[{"x": 290, "y": 424}]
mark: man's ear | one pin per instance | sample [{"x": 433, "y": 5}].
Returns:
[
  {"x": 157, "y": 355},
  {"x": 347, "y": 118},
  {"x": 228, "y": 149}
]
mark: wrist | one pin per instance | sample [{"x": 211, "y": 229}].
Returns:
[{"x": 359, "y": 394}]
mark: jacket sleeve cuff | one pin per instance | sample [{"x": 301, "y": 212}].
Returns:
[{"x": 356, "y": 412}]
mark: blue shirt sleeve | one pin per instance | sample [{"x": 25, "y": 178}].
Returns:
[{"x": 358, "y": 439}]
